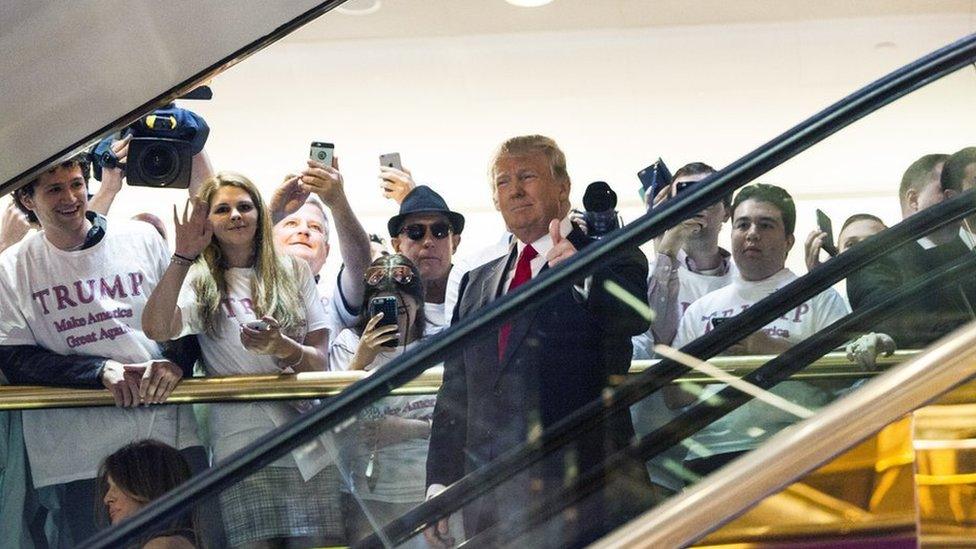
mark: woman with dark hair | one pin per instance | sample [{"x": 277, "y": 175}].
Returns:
[
  {"x": 137, "y": 474},
  {"x": 255, "y": 312},
  {"x": 385, "y": 461}
]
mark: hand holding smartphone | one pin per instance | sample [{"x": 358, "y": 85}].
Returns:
[{"x": 388, "y": 306}]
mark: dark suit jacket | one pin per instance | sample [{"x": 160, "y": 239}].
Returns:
[
  {"x": 558, "y": 358},
  {"x": 926, "y": 320}
]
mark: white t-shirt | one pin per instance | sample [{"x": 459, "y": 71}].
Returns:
[
  {"x": 337, "y": 316},
  {"x": 86, "y": 302},
  {"x": 747, "y": 426},
  {"x": 691, "y": 287},
  {"x": 402, "y": 467},
  {"x": 234, "y": 426}
]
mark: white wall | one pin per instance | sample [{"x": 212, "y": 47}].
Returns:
[{"x": 614, "y": 100}]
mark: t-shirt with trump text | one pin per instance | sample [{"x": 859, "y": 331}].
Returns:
[{"x": 86, "y": 302}]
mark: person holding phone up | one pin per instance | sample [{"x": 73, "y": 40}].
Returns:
[
  {"x": 385, "y": 459},
  {"x": 256, "y": 312}
]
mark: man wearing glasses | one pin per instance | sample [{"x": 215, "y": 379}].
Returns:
[{"x": 428, "y": 233}]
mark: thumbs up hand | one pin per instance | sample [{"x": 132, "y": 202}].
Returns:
[{"x": 562, "y": 249}]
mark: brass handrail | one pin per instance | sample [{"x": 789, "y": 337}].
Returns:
[{"x": 324, "y": 384}]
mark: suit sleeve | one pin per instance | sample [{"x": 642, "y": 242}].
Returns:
[
  {"x": 626, "y": 272},
  {"x": 33, "y": 365},
  {"x": 448, "y": 434}
]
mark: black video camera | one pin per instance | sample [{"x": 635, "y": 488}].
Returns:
[{"x": 161, "y": 149}]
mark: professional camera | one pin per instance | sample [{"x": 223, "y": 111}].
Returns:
[
  {"x": 601, "y": 214},
  {"x": 161, "y": 149}
]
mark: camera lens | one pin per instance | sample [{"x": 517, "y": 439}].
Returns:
[
  {"x": 321, "y": 155},
  {"x": 159, "y": 162}
]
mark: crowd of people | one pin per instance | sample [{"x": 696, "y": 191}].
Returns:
[{"x": 94, "y": 301}]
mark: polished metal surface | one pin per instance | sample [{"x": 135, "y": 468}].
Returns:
[
  {"x": 798, "y": 450},
  {"x": 324, "y": 384}
]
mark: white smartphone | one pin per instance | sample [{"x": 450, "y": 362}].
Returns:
[
  {"x": 322, "y": 152},
  {"x": 391, "y": 160},
  {"x": 258, "y": 325}
]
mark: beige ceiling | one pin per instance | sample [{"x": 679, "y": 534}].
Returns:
[{"x": 425, "y": 18}]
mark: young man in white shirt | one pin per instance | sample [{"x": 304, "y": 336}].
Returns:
[
  {"x": 71, "y": 301},
  {"x": 688, "y": 263},
  {"x": 763, "y": 220}
]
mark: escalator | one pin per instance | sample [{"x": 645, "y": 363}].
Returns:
[{"x": 548, "y": 491}]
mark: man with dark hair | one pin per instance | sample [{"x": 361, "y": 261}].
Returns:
[
  {"x": 541, "y": 366},
  {"x": 688, "y": 264},
  {"x": 944, "y": 309},
  {"x": 71, "y": 299},
  {"x": 427, "y": 232},
  {"x": 763, "y": 221},
  {"x": 959, "y": 175},
  {"x": 856, "y": 228}
]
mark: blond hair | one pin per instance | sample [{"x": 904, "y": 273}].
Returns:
[
  {"x": 274, "y": 288},
  {"x": 528, "y": 144}
]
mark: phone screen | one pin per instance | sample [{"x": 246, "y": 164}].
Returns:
[{"x": 322, "y": 152}]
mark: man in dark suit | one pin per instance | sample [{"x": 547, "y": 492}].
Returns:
[
  {"x": 922, "y": 186},
  {"x": 510, "y": 383}
]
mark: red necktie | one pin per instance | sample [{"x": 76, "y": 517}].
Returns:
[{"x": 523, "y": 274}]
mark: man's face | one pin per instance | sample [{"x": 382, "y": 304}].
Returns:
[
  {"x": 304, "y": 234},
  {"x": 432, "y": 255},
  {"x": 856, "y": 232},
  {"x": 711, "y": 218},
  {"x": 60, "y": 199},
  {"x": 527, "y": 194},
  {"x": 929, "y": 195},
  {"x": 759, "y": 240}
]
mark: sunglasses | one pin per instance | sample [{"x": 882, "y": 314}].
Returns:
[
  {"x": 401, "y": 274},
  {"x": 417, "y": 231}
]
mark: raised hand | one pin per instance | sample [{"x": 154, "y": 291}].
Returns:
[
  {"x": 371, "y": 342},
  {"x": 324, "y": 181},
  {"x": 562, "y": 249},
  {"x": 112, "y": 177},
  {"x": 195, "y": 231},
  {"x": 396, "y": 184},
  {"x": 812, "y": 248},
  {"x": 288, "y": 198}
]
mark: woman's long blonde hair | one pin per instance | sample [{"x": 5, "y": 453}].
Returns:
[{"x": 274, "y": 286}]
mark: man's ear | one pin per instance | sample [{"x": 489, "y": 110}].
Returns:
[
  {"x": 728, "y": 212},
  {"x": 395, "y": 241},
  {"x": 26, "y": 201},
  {"x": 790, "y": 240},
  {"x": 911, "y": 200},
  {"x": 455, "y": 241},
  {"x": 950, "y": 193}
]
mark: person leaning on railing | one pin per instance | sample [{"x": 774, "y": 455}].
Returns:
[
  {"x": 385, "y": 460},
  {"x": 71, "y": 301},
  {"x": 255, "y": 312}
]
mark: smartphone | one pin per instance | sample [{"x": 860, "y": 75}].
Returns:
[
  {"x": 653, "y": 179},
  {"x": 322, "y": 152},
  {"x": 259, "y": 325},
  {"x": 824, "y": 223},
  {"x": 719, "y": 320},
  {"x": 391, "y": 160},
  {"x": 388, "y": 306}
]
